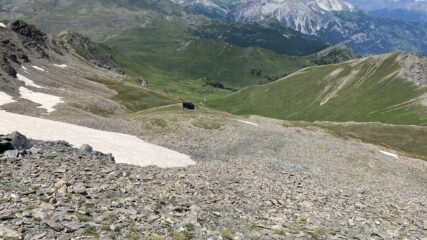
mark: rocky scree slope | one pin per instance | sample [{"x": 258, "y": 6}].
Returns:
[
  {"x": 302, "y": 184},
  {"x": 35, "y": 67},
  {"x": 335, "y": 54},
  {"x": 97, "y": 19}
]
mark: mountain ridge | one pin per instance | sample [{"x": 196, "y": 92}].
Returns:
[{"x": 370, "y": 89}]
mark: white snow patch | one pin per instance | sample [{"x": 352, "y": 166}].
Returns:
[
  {"x": 246, "y": 122},
  {"x": 5, "y": 99},
  {"x": 60, "y": 65},
  {"x": 39, "y": 68},
  {"x": 390, "y": 154},
  {"x": 125, "y": 148},
  {"x": 28, "y": 82},
  {"x": 3, "y": 25},
  {"x": 24, "y": 68},
  {"x": 46, "y": 101}
]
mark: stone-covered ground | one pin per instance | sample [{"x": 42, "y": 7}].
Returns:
[{"x": 58, "y": 192}]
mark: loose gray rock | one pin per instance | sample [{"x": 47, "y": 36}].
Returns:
[
  {"x": 34, "y": 150},
  {"x": 299, "y": 186},
  {"x": 79, "y": 189},
  {"x": 54, "y": 225},
  {"x": 85, "y": 149},
  {"x": 12, "y": 154},
  {"x": 10, "y": 234},
  {"x": 38, "y": 214}
]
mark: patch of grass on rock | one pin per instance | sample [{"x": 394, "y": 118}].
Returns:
[
  {"x": 155, "y": 236},
  {"x": 84, "y": 218},
  {"x": 208, "y": 124},
  {"x": 89, "y": 231},
  {"x": 180, "y": 235},
  {"x": 227, "y": 234}
]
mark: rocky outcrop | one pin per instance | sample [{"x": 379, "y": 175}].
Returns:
[
  {"x": 19, "y": 141},
  {"x": 335, "y": 54},
  {"x": 20, "y": 36},
  {"x": 24, "y": 48},
  {"x": 31, "y": 35},
  {"x": 84, "y": 47},
  {"x": 7, "y": 67},
  {"x": 14, "y": 145},
  {"x": 143, "y": 83},
  {"x": 415, "y": 67}
]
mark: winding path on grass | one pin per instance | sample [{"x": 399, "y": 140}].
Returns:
[{"x": 125, "y": 148}]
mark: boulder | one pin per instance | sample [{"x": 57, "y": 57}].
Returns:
[
  {"x": 19, "y": 141},
  {"x": 85, "y": 149},
  {"x": 143, "y": 83}
]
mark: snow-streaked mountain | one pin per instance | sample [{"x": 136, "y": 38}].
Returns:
[
  {"x": 333, "y": 21},
  {"x": 306, "y": 16}
]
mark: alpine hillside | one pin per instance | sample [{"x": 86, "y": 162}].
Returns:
[{"x": 388, "y": 88}]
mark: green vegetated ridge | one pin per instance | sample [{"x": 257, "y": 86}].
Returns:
[
  {"x": 366, "y": 90},
  {"x": 167, "y": 51},
  {"x": 273, "y": 37}
]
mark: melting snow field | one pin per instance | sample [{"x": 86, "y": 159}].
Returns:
[
  {"x": 60, "y": 65},
  {"x": 46, "y": 101},
  {"x": 28, "y": 82},
  {"x": 390, "y": 154},
  {"x": 38, "y": 68},
  {"x": 5, "y": 99},
  {"x": 125, "y": 148}
]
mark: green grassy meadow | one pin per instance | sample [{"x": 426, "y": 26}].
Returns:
[{"x": 369, "y": 90}]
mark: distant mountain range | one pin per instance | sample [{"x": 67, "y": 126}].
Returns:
[{"x": 333, "y": 21}]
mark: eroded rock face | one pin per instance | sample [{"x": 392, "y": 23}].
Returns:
[
  {"x": 84, "y": 47},
  {"x": 415, "y": 67},
  {"x": 7, "y": 67}
]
